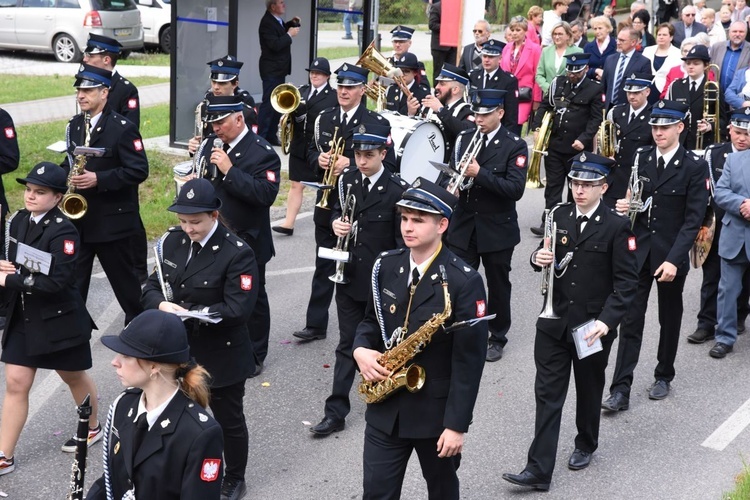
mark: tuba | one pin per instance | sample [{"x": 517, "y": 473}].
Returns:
[
  {"x": 285, "y": 98},
  {"x": 605, "y": 137},
  {"x": 341, "y": 252},
  {"x": 329, "y": 177},
  {"x": 372, "y": 60},
  {"x": 73, "y": 205},
  {"x": 459, "y": 181},
  {"x": 533, "y": 180},
  {"x": 711, "y": 107},
  {"x": 548, "y": 272}
]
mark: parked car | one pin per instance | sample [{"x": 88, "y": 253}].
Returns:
[
  {"x": 156, "y": 16},
  {"x": 63, "y": 26}
]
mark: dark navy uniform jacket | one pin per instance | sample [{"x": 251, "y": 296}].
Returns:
[{"x": 123, "y": 99}]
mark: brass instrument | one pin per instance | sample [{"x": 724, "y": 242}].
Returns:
[
  {"x": 285, "y": 98},
  {"x": 635, "y": 186},
  {"x": 372, "y": 60},
  {"x": 605, "y": 137},
  {"x": 710, "y": 107},
  {"x": 377, "y": 92},
  {"x": 338, "y": 144},
  {"x": 78, "y": 472},
  {"x": 548, "y": 272},
  {"x": 340, "y": 253},
  {"x": 182, "y": 170},
  {"x": 73, "y": 205},
  {"x": 411, "y": 377},
  {"x": 705, "y": 237},
  {"x": 533, "y": 179},
  {"x": 459, "y": 181}
]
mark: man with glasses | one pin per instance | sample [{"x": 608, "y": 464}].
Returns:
[
  {"x": 595, "y": 281},
  {"x": 576, "y": 102},
  {"x": 625, "y": 62},
  {"x": 687, "y": 27},
  {"x": 471, "y": 57},
  {"x": 674, "y": 198}
]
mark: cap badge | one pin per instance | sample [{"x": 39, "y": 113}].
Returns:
[
  {"x": 573, "y": 58},
  {"x": 583, "y": 156},
  {"x": 747, "y": 111},
  {"x": 315, "y": 63},
  {"x": 632, "y": 76},
  {"x": 478, "y": 100},
  {"x": 190, "y": 195},
  {"x": 417, "y": 183},
  {"x": 40, "y": 171},
  {"x": 220, "y": 63},
  {"x": 345, "y": 67},
  {"x": 81, "y": 68},
  {"x": 661, "y": 104}
]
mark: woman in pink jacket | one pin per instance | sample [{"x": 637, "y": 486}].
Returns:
[{"x": 520, "y": 58}]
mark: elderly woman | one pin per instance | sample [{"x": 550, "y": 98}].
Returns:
[
  {"x": 552, "y": 62},
  {"x": 678, "y": 71},
  {"x": 520, "y": 58},
  {"x": 534, "y": 22},
  {"x": 663, "y": 56},
  {"x": 640, "y": 24},
  {"x": 715, "y": 31},
  {"x": 601, "y": 47}
]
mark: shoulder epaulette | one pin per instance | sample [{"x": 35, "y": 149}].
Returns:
[
  {"x": 399, "y": 181},
  {"x": 391, "y": 253},
  {"x": 462, "y": 266},
  {"x": 199, "y": 414},
  {"x": 235, "y": 240}
]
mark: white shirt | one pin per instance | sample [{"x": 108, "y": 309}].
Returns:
[
  {"x": 373, "y": 178},
  {"x": 587, "y": 214},
  {"x": 237, "y": 139},
  {"x": 667, "y": 156},
  {"x": 37, "y": 218},
  {"x": 697, "y": 81},
  {"x": 95, "y": 119},
  {"x": 153, "y": 415},
  {"x": 637, "y": 111},
  {"x": 349, "y": 114},
  {"x": 204, "y": 241},
  {"x": 421, "y": 267}
]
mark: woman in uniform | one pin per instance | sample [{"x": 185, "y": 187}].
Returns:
[
  {"x": 159, "y": 441},
  {"x": 47, "y": 324},
  {"x": 205, "y": 269}
]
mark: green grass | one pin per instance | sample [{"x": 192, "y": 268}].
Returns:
[
  {"x": 742, "y": 485},
  {"x": 19, "y": 88},
  {"x": 338, "y": 53},
  {"x": 148, "y": 58}
]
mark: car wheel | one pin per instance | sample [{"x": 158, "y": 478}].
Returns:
[
  {"x": 165, "y": 39},
  {"x": 65, "y": 48}
]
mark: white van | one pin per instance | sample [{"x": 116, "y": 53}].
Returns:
[{"x": 156, "y": 16}]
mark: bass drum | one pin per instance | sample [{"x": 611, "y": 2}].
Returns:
[{"x": 416, "y": 143}]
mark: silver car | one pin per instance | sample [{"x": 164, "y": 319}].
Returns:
[{"x": 63, "y": 26}]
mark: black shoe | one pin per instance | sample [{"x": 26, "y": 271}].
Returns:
[
  {"x": 720, "y": 350},
  {"x": 616, "y": 401},
  {"x": 658, "y": 390},
  {"x": 740, "y": 326},
  {"x": 579, "y": 459},
  {"x": 494, "y": 352},
  {"x": 233, "y": 489},
  {"x": 258, "y": 370},
  {"x": 537, "y": 231},
  {"x": 328, "y": 426},
  {"x": 308, "y": 334},
  {"x": 526, "y": 478},
  {"x": 283, "y": 230},
  {"x": 700, "y": 335}
]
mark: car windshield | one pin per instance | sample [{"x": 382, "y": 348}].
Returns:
[{"x": 113, "y": 4}]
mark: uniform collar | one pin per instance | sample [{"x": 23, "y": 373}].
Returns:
[{"x": 153, "y": 415}]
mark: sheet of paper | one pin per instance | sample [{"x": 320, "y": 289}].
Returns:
[
  {"x": 582, "y": 346},
  {"x": 33, "y": 259},
  {"x": 212, "y": 318}
]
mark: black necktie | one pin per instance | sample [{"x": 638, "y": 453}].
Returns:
[
  {"x": 32, "y": 225},
  {"x": 693, "y": 88},
  {"x": 225, "y": 147},
  {"x": 365, "y": 187},
  {"x": 579, "y": 224},
  {"x": 141, "y": 428},
  {"x": 484, "y": 142},
  {"x": 315, "y": 93},
  {"x": 195, "y": 248},
  {"x": 414, "y": 277},
  {"x": 343, "y": 121},
  {"x": 660, "y": 166},
  {"x": 632, "y": 117},
  {"x": 486, "y": 80}
]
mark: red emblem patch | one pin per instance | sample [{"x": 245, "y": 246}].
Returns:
[
  {"x": 138, "y": 145},
  {"x": 481, "y": 309},
  {"x": 389, "y": 141},
  {"x": 521, "y": 161},
  {"x": 271, "y": 175},
  {"x": 10, "y": 133},
  {"x": 631, "y": 244},
  {"x": 246, "y": 282},
  {"x": 210, "y": 469},
  {"x": 132, "y": 103},
  {"x": 255, "y": 129},
  {"x": 69, "y": 247}
]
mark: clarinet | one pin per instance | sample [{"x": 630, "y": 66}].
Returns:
[{"x": 78, "y": 471}]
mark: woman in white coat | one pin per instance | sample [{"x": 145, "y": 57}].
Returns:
[{"x": 663, "y": 56}]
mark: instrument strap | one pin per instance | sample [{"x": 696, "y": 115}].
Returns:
[{"x": 412, "y": 290}]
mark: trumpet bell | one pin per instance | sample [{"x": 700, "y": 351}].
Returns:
[{"x": 339, "y": 278}]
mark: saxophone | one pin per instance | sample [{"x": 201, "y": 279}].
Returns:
[
  {"x": 411, "y": 377},
  {"x": 73, "y": 205}
]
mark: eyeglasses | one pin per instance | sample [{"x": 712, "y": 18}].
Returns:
[
  {"x": 623, "y": 40},
  {"x": 689, "y": 15},
  {"x": 478, "y": 31},
  {"x": 585, "y": 186}
]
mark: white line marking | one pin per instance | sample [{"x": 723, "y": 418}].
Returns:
[
  {"x": 730, "y": 429},
  {"x": 297, "y": 270}
]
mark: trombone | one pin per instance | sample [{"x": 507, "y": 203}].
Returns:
[
  {"x": 329, "y": 177},
  {"x": 710, "y": 107},
  {"x": 285, "y": 98}
]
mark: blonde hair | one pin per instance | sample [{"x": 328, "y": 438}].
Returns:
[
  {"x": 602, "y": 21},
  {"x": 534, "y": 11}
]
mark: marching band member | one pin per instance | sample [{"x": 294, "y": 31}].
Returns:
[
  {"x": 576, "y": 102},
  {"x": 161, "y": 442},
  {"x": 246, "y": 179},
  {"x": 206, "y": 268},
  {"x": 492, "y": 76},
  {"x": 316, "y": 96},
  {"x": 407, "y": 291},
  {"x": 675, "y": 183},
  {"x": 598, "y": 252},
  {"x": 47, "y": 325},
  {"x": 485, "y": 222},
  {"x": 401, "y": 41},
  {"x": 712, "y": 266},
  {"x": 632, "y": 131},
  {"x": 395, "y": 100},
  {"x": 372, "y": 227},
  {"x": 342, "y": 121},
  {"x": 10, "y": 156}
]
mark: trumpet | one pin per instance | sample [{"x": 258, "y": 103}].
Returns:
[
  {"x": 605, "y": 137},
  {"x": 459, "y": 181},
  {"x": 710, "y": 107},
  {"x": 285, "y": 99},
  {"x": 635, "y": 186},
  {"x": 340, "y": 253},
  {"x": 338, "y": 144},
  {"x": 548, "y": 272}
]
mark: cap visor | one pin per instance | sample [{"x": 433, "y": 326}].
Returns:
[{"x": 415, "y": 205}]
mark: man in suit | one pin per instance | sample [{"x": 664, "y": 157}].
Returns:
[
  {"x": 342, "y": 121},
  {"x": 491, "y": 76},
  {"x": 618, "y": 66},
  {"x": 471, "y": 56},
  {"x": 246, "y": 172},
  {"x": 576, "y": 102},
  {"x": 395, "y": 99},
  {"x": 691, "y": 92},
  {"x": 578, "y": 28},
  {"x": 409, "y": 287},
  {"x": 275, "y": 62},
  {"x": 440, "y": 53},
  {"x": 365, "y": 213},
  {"x": 716, "y": 155},
  {"x": 731, "y": 195},
  {"x": 109, "y": 183},
  {"x": 485, "y": 222},
  {"x": 632, "y": 131},
  {"x": 731, "y": 55},
  {"x": 666, "y": 10},
  {"x": 687, "y": 27},
  {"x": 593, "y": 246},
  {"x": 674, "y": 202}
]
